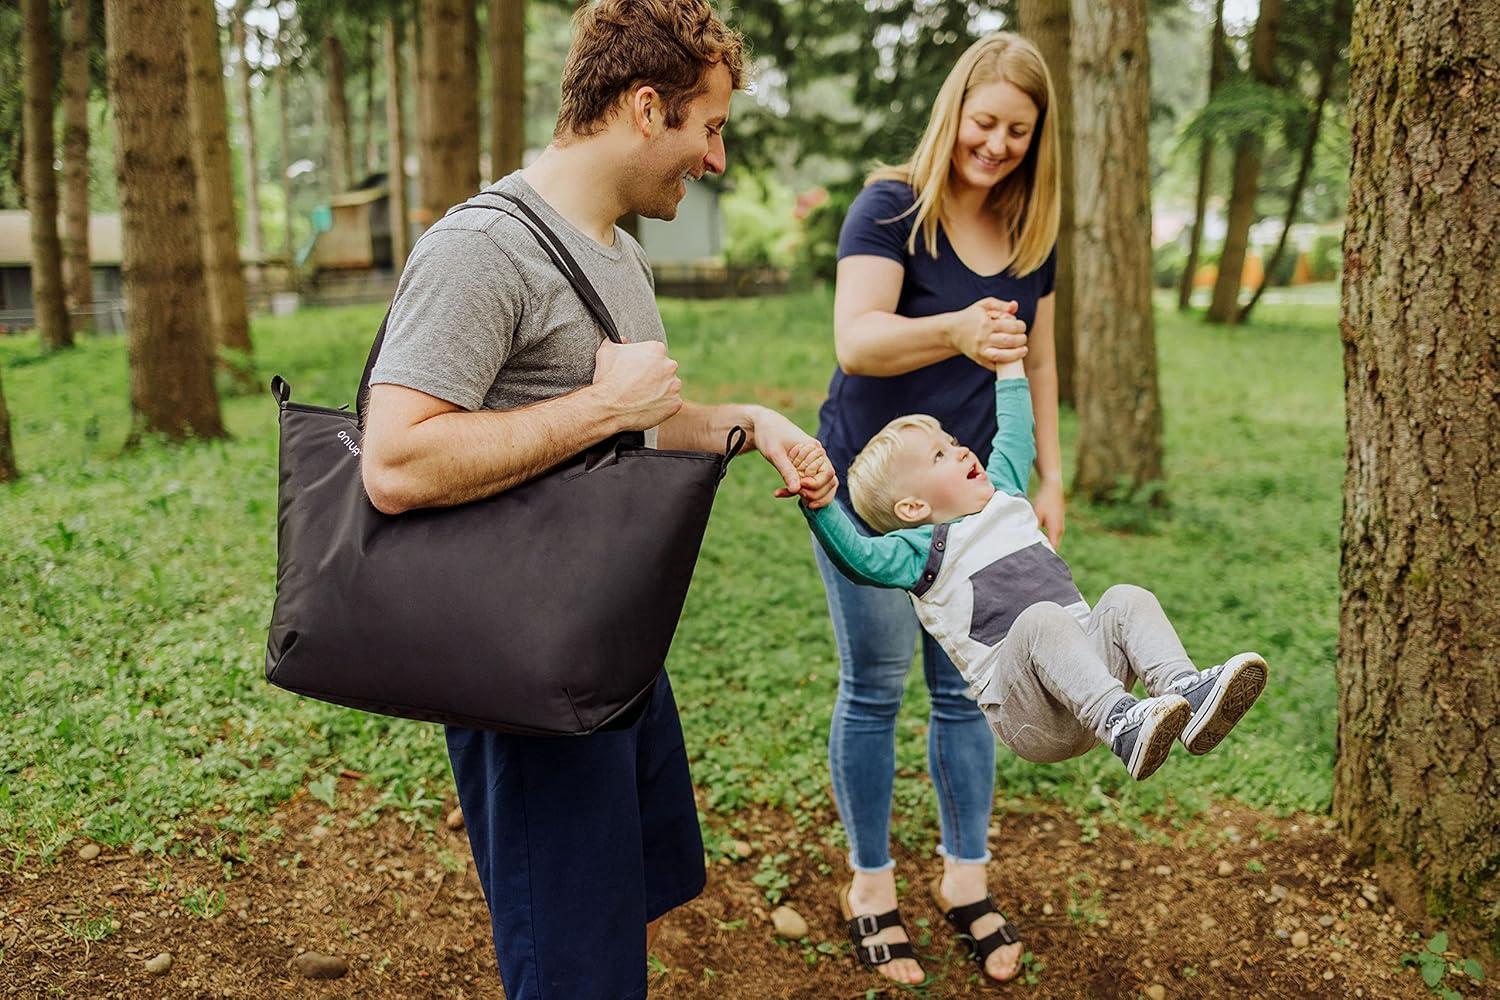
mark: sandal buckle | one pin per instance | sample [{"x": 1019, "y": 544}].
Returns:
[
  {"x": 865, "y": 924},
  {"x": 879, "y": 953}
]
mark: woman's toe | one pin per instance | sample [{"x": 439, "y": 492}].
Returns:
[
  {"x": 908, "y": 971},
  {"x": 1004, "y": 963}
]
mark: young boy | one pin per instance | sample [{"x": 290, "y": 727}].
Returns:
[{"x": 1052, "y": 675}]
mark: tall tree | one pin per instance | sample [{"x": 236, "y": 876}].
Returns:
[
  {"x": 254, "y": 242},
  {"x": 450, "y": 126},
  {"x": 1224, "y": 308},
  {"x": 284, "y": 137},
  {"x": 208, "y": 116},
  {"x": 9, "y": 473},
  {"x": 367, "y": 58},
  {"x": 47, "y": 295},
  {"x": 1046, "y": 23},
  {"x": 395, "y": 128},
  {"x": 1119, "y": 414},
  {"x": 1334, "y": 36},
  {"x": 1218, "y": 61},
  {"x": 78, "y": 275},
  {"x": 171, "y": 360},
  {"x": 507, "y": 54},
  {"x": 1415, "y": 788},
  {"x": 340, "y": 144}
]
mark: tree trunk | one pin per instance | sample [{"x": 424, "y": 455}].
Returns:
[
  {"x": 507, "y": 49},
  {"x": 171, "y": 362},
  {"x": 78, "y": 275},
  {"x": 372, "y": 146},
  {"x": 450, "y": 139},
  {"x": 1247, "y": 153},
  {"x": 1326, "y": 61},
  {"x": 253, "y": 235},
  {"x": 9, "y": 473},
  {"x": 48, "y": 302},
  {"x": 208, "y": 115},
  {"x": 1216, "y": 66},
  {"x": 284, "y": 138},
  {"x": 1415, "y": 785},
  {"x": 340, "y": 148},
  {"x": 1045, "y": 22},
  {"x": 1119, "y": 416},
  {"x": 395, "y": 129}
]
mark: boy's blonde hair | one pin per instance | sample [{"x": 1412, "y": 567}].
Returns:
[{"x": 872, "y": 474}]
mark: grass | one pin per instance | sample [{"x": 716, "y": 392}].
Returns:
[{"x": 135, "y": 588}]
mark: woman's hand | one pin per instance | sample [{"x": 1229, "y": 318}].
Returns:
[
  {"x": 783, "y": 443},
  {"x": 988, "y": 333},
  {"x": 1049, "y": 506}
]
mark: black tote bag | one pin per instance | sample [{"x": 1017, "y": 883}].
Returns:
[{"x": 547, "y": 609}]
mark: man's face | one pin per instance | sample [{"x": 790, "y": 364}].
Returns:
[{"x": 675, "y": 157}]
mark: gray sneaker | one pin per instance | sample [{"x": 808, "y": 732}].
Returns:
[
  {"x": 1141, "y": 732},
  {"x": 1220, "y": 696}
]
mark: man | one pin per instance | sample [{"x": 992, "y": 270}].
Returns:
[{"x": 492, "y": 372}]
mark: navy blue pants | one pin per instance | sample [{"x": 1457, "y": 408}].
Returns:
[{"x": 579, "y": 842}]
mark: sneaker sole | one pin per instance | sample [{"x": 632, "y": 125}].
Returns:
[
  {"x": 1151, "y": 752},
  {"x": 1227, "y": 705}
]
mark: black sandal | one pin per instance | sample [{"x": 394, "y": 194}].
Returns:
[
  {"x": 873, "y": 956},
  {"x": 961, "y": 919}
]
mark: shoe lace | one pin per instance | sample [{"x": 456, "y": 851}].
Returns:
[{"x": 1133, "y": 715}]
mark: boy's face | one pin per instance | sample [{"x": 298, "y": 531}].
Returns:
[{"x": 939, "y": 478}]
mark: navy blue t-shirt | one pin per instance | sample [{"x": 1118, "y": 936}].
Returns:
[{"x": 958, "y": 392}]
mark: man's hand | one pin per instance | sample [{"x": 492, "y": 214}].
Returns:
[
  {"x": 638, "y": 382},
  {"x": 988, "y": 333},
  {"x": 775, "y": 438}
]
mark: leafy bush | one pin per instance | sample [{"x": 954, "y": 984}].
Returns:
[
  {"x": 760, "y": 229},
  {"x": 1167, "y": 262},
  {"x": 817, "y": 254},
  {"x": 1326, "y": 259}
]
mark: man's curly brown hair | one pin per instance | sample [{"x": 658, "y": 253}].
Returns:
[{"x": 621, "y": 45}]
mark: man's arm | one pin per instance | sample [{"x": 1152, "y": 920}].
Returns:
[
  {"x": 421, "y": 451},
  {"x": 697, "y": 427},
  {"x": 1014, "y": 446}
]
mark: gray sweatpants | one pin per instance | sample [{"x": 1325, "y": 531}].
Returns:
[{"x": 1053, "y": 681}]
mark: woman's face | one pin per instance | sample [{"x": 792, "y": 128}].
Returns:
[{"x": 994, "y": 133}]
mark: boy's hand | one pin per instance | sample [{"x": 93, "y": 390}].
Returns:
[{"x": 818, "y": 481}]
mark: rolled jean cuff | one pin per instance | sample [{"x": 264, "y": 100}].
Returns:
[
  {"x": 944, "y": 853},
  {"x": 889, "y": 864}
]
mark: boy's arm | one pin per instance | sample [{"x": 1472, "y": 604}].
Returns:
[
  {"x": 1014, "y": 447},
  {"x": 893, "y": 560}
]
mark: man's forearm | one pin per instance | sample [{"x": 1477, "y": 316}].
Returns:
[
  {"x": 458, "y": 456},
  {"x": 702, "y": 427}
]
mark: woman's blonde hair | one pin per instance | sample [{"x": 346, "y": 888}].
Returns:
[
  {"x": 1028, "y": 200},
  {"x": 872, "y": 474}
]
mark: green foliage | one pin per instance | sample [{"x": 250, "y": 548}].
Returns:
[
  {"x": 760, "y": 229},
  {"x": 817, "y": 254},
  {"x": 134, "y": 591},
  {"x": 1326, "y": 259},
  {"x": 1441, "y": 970},
  {"x": 1167, "y": 262}
]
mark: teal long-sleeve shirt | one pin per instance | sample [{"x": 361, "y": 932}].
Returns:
[{"x": 896, "y": 560}]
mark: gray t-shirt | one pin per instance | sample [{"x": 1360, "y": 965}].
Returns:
[{"x": 482, "y": 318}]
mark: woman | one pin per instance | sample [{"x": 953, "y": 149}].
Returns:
[{"x": 945, "y": 270}]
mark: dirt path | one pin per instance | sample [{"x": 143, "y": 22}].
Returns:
[{"x": 1115, "y": 917}]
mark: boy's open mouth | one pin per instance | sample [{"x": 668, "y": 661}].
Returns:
[{"x": 973, "y": 471}]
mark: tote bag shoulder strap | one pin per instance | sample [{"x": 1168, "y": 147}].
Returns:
[{"x": 555, "y": 250}]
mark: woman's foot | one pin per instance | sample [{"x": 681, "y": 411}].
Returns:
[
  {"x": 963, "y": 884},
  {"x": 867, "y": 896}
]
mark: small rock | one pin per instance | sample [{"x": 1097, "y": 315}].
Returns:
[
  {"x": 313, "y": 965},
  {"x": 742, "y": 848},
  {"x": 1278, "y": 891},
  {"x": 318, "y": 831},
  {"x": 1362, "y": 902},
  {"x": 1161, "y": 910},
  {"x": 1207, "y": 922},
  {"x": 1126, "y": 865},
  {"x": 88, "y": 852},
  {"x": 1327, "y": 973},
  {"x": 1300, "y": 939},
  {"x": 1046, "y": 909},
  {"x": 160, "y": 965},
  {"x": 788, "y": 923},
  {"x": 1326, "y": 920},
  {"x": 1336, "y": 956},
  {"x": 1156, "y": 991},
  {"x": 455, "y": 820},
  {"x": 1163, "y": 869},
  {"x": 1225, "y": 868}
]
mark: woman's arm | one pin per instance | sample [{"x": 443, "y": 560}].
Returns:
[
  {"x": 872, "y": 340},
  {"x": 1041, "y": 372}
]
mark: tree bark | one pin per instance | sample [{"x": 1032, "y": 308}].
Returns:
[
  {"x": 1247, "y": 155},
  {"x": 1216, "y": 67},
  {"x": 1045, "y": 22},
  {"x": 254, "y": 240},
  {"x": 340, "y": 148},
  {"x": 9, "y": 473},
  {"x": 208, "y": 115},
  {"x": 171, "y": 362},
  {"x": 450, "y": 139},
  {"x": 395, "y": 128},
  {"x": 507, "y": 52},
  {"x": 1417, "y": 781},
  {"x": 284, "y": 138},
  {"x": 1119, "y": 415},
  {"x": 1326, "y": 61},
  {"x": 49, "y": 304},
  {"x": 78, "y": 274},
  {"x": 372, "y": 146}
]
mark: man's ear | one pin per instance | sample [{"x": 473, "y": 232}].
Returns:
[
  {"x": 913, "y": 510},
  {"x": 646, "y": 111}
]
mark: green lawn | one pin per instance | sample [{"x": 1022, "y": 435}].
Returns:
[{"x": 135, "y": 588}]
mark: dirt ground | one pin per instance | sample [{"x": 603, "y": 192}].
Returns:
[{"x": 1112, "y": 915}]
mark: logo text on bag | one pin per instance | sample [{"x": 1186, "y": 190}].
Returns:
[{"x": 354, "y": 449}]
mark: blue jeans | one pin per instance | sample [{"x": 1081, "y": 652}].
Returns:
[{"x": 876, "y": 630}]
